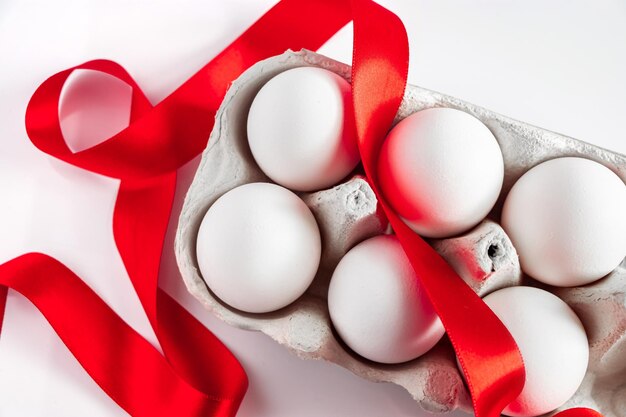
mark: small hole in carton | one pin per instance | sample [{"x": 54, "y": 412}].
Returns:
[{"x": 493, "y": 251}]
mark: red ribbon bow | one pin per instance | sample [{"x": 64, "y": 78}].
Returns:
[{"x": 197, "y": 375}]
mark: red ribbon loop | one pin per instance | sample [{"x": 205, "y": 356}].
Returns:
[
  {"x": 116, "y": 157},
  {"x": 198, "y": 375}
]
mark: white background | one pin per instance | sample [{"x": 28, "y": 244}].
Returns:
[{"x": 558, "y": 64}]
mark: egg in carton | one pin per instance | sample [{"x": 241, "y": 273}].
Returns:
[{"x": 348, "y": 214}]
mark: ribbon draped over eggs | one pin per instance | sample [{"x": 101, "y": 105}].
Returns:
[{"x": 259, "y": 247}]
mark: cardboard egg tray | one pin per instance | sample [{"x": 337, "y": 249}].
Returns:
[{"x": 348, "y": 214}]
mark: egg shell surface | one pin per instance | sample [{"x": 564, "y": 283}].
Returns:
[
  {"x": 442, "y": 170},
  {"x": 258, "y": 247},
  {"x": 567, "y": 219},
  {"x": 553, "y": 344},
  {"x": 301, "y": 129},
  {"x": 377, "y": 305}
]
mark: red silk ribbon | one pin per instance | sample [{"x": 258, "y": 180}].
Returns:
[{"x": 198, "y": 376}]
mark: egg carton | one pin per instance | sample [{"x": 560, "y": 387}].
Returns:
[{"x": 348, "y": 214}]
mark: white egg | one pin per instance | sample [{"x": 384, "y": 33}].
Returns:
[
  {"x": 301, "y": 129},
  {"x": 441, "y": 169},
  {"x": 258, "y": 247},
  {"x": 377, "y": 304},
  {"x": 567, "y": 219},
  {"x": 553, "y": 344}
]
